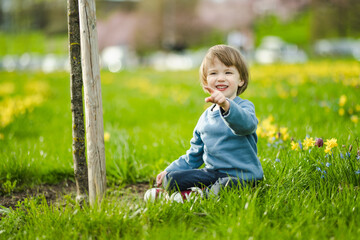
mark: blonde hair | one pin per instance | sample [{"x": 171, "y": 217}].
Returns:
[{"x": 230, "y": 57}]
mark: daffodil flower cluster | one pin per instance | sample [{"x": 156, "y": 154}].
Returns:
[
  {"x": 309, "y": 142},
  {"x": 267, "y": 129},
  {"x": 351, "y": 109},
  {"x": 299, "y": 74},
  {"x": 13, "y": 106},
  {"x": 7, "y": 88},
  {"x": 294, "y": 75},
  {"x": 322, "y": 155}
]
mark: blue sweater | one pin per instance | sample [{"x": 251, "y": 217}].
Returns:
[{"x": 226, "y": 143}]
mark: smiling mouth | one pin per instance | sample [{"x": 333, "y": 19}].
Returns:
[{"x": 221, "y": 87}]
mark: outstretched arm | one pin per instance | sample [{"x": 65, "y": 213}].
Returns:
[{"x": 242, "y": 120}]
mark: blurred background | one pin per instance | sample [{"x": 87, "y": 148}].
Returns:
[{"x": 174, "y": 35}]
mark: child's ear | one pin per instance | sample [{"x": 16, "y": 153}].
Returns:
[
  {"x": 203, "y": 87},
  {"x": 241, "y": 83}
]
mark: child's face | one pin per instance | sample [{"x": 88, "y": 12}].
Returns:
[{"x": 224, "y": 79}]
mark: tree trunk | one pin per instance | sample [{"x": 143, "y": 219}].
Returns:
[
  {"x": 76, "y": 84},
  {"x": 93, "y": 102}
]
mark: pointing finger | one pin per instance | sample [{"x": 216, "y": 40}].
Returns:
[
  {"x": 209, "y": 99},
  {"x": 209, "y": 89}
]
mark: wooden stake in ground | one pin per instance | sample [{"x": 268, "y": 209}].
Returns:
[
  {"x": 93, "y": 102},
  {"x": 78, "y": 130}
]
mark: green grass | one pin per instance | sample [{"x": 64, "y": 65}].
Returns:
[
  {"x": 32, "y": 42},
  {"x": 150, "y": 117}
]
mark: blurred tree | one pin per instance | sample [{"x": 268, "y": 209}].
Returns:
[
  {"x": 105, "y": 8},
  {"x": 56, "y": 17},
  {"x": 18, "y": 15},
  {"x": 189, "y": 29},
  {"x": 149, "y": 30},
  {"x": 168, "y": 25},
  {"x": 2, "y": 15},
  {"x": 295, "y": 30},
  {"x": 335, "y": 18}
]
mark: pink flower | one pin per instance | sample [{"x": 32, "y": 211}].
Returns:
[{"x": 319, "y": 142}]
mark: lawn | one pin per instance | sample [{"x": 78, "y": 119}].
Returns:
[{"x": 309, "y": 192}]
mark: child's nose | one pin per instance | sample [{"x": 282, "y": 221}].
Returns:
[{"x": 221, "y": 77}]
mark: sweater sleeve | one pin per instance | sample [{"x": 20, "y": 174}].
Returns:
[
  {"x": 241, "y": 118},
  {"x": 193, "y": 157}
]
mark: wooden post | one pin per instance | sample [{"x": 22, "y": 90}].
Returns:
[
  {"x": 78, "y": 129},
  {"x": 93, "y": 103}
]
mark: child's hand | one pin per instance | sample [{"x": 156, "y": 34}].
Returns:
[
  {"x": 217, "y": 97},
  {"x": 160, "y": 177}
]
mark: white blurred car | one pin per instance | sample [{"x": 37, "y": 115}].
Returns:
[
  {"x": 273, "y": 49},
  {"x": 338, "y": 47},
  {"x": 117, "y": 58}
]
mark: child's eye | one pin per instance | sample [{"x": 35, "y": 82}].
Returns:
[
  {"x": 212, "y": 73},
  {"x": 228, "y": 72}
]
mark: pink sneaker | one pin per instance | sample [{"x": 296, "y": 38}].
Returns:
[
  {"x": 186, "y": 195},
  {"x": 194, "y": 191}
]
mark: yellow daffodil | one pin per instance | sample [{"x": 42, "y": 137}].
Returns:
[
  {"x": 270, "y": 118},
  {"x": 342, "y": 100},
  {"x": 357, "y": 107},
  {"x": 106, "y": 136},
  {"x": 308, "y": 142},
  {"x": 331, "y": 143},
  {"x": 327, "y": 150},
  {"x": 284, "y": 133},
  {"x": 341, "y": 112},
  {"x": 295, "y": 146},
  {"x": 354, "y": 119}
]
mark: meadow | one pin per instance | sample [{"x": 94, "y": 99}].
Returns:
[{"x": 310, "y": 190}]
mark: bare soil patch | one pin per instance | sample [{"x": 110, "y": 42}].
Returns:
[{"x": 55, "y": 192}]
